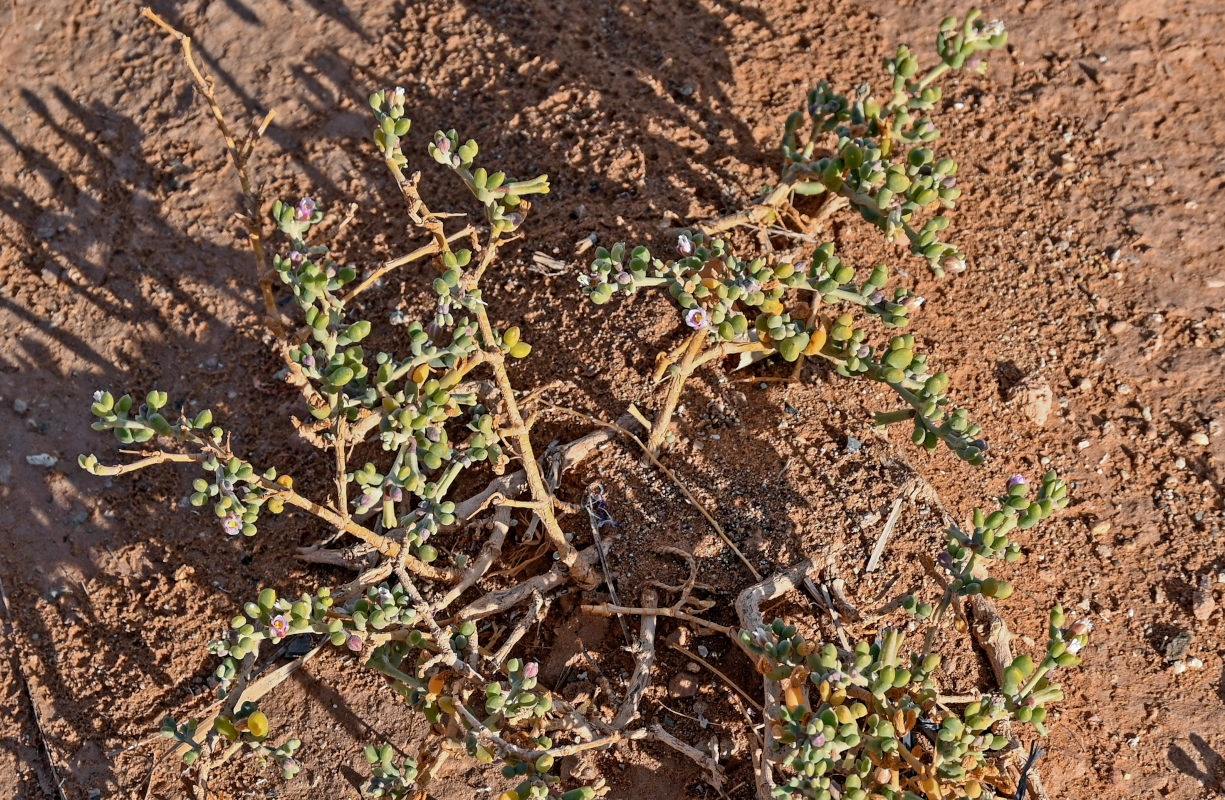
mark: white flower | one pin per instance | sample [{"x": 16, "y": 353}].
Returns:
[{"x": 684, "y": 245}]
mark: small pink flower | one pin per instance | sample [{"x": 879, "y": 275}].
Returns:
[
  {"x": 1017, "y": 480},
  {"x": 279, "y": 626},
  {"x": 697, "y": 318},
  {"x": 304, "y": 210},
  {"x": 442, "y": 143},
  {"x": 818, "y": 740},
  {"x": 913, "y": 303},
  {"x": 232, "y": 524},
  {"x": 684, "y": 245},
  {"x": 531, "y": 669},
  {"x": 354, "y": 643}
]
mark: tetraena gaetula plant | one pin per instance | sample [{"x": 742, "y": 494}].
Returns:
[
  {"x": 859, "y": 723},
  {"x": 871, "y": 722},
  {"x": 875, "y": 155}
]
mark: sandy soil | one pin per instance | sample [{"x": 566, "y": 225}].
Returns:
[{"x": 1092, "y": 169}]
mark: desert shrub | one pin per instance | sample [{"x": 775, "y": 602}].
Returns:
[
  {"x": 867, "y": 720},
  {"x": 873, "y": 154}
]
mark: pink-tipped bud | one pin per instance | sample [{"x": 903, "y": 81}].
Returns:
[{"x": 1017, "y": 480}]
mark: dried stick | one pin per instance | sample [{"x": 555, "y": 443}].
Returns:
[
  {"x": 536, "y": 610},
  {"x": 511, "y": 484},
  {"x": 607, "y": 610},
  {"x": 643, "y": 651},
  {"x": 490, "y": 553},
  {"x": 502, "y": 599},
  {"x": 659, "y": 428},
  {"x": 598, "y": 516},
  {"x": 658, "y": 734},
  {"x": 238, "y": 152}
]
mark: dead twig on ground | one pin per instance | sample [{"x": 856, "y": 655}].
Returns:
[{"x": 643, "y": 651}]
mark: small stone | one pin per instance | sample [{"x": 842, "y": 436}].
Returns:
[
  {"x": 703, "y": 650},
  {"x": 693, "y": 667},
  {"x": 680, "y": 637},
  {"x": 1176, "y": 647},
  {"x": 1101, "y": 529},
  {"x": 42, "y": 460},
  {"x": 20, "y": 406},
  {"x": 683, "y": 685},
  {"x": 1035, "y": 399},
  {"x": 1123, "y": 388},
  {"x": 853, "y": 445},
  {"x": 1083, "y": 444},
  {"x": 1179, "y": 667},
  {"x": 1202, "y": 602},
  {"x": 1200, "y": 438},
  {"x": 1195, "y": 663}
]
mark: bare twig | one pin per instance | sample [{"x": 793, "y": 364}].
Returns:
[
  {"x": 535, "y": 612},
  {"x": 502, "y": 599},
  {"x": 387, "y": 266},
  {"x": 606, "y": 610},
  {"x": 895, "y": 514},
  {"x": 644, "y": 657},
  {"x": 490, "y": 553},
  {"x": 659, "y": 428}
]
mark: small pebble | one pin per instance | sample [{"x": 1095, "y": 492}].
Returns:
[
  {"x": 1200, "y": 438},
  {"x": 683, "y": 685},
  {"x": 20, "y": 406},
  {"x": 42, "y": 460},
  {"x": 1195, "y": 663}
]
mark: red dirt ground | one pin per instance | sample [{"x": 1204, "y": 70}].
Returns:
[{"x": 1092, "y": 169}]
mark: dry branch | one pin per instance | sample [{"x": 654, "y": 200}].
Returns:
[{"x": 644, "y": 657}]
